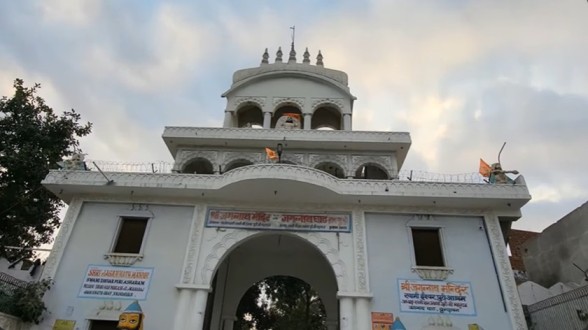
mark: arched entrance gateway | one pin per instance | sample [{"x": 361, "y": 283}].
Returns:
[
  {"x": 244, "y": 205},
  {"x": 264, "y": 256}
]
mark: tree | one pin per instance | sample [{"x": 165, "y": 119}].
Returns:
[
  {"x": 281, "y": 302},
  {"x": 32, "y": 140}
]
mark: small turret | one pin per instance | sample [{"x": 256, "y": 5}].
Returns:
[
  {"x": 265, "y": 57},
  {"x": 319, "y": 59},
  {"x": 279, "y": 55},
  {"x": 306, "y": 56}
]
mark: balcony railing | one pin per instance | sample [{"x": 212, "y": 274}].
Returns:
[{"x": 166, "y": 167}]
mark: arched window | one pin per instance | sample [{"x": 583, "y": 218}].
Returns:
[
  {"x": 250, "y": 116},
  {"x": 326, "y": 117},
  {"x": 371, "y": 172},
  {"x": 331, "y": 168},
  {"x": 284, "y": 110},
  {"x": 198, "y": 166},
  {"x": 236, "y": 164}
]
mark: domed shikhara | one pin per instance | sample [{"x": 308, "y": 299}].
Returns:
[
  {"x": 261, "y": 96},
  {"x": 304, "y": 108}
]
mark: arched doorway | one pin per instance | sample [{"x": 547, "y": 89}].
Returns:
[{"x": 264, "y": 256}]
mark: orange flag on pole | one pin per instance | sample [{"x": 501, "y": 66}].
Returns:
[
  {"x": 485, "y": 169},
  {"x": 271, "y": 154}
]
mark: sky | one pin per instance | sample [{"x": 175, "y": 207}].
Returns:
[{"x": 461, "y": 76}]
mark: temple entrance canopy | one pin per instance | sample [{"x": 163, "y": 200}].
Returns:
[{"x": 264, "y": 256}]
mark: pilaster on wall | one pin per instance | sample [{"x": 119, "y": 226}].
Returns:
[
  {"x": 194, "y": 244},
  {"x": 60, "y": 243},
  {"x": 360, "y": 253},
  {"x": 504, "y": 271}
]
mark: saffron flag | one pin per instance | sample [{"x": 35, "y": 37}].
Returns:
[
  {"x": 271, "y": 154},
  {"x": 293, "y": 115},
  {"x": 485, "y": 169}
]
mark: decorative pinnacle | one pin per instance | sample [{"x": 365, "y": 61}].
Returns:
[
  {"x": 292, "y": 58},
  {"x": 319, "y": 59},
  {"x": 306, "y": 55},
  {"x": 279, "y": 55},
  {"x": 265, "y": 57}
]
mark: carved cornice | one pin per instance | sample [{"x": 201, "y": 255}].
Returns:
[
  {"x": 506, "y": 277},
  {"x": 233, "y": 132}
]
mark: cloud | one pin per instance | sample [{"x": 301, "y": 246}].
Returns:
[{"x": 461, "y": 76}]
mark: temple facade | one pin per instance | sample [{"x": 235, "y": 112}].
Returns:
[{"x": 285, "y": 187}]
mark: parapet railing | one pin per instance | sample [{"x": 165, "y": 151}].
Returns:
[{"x": 167, "y": 167}]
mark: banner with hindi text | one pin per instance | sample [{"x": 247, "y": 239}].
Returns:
[
  {"x": 261, "y": 220},
  {"x": 436, "y": 297}
]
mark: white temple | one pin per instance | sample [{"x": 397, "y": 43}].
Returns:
[{"x": 330, "y": 210}]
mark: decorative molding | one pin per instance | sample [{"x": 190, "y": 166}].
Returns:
[
  {"x": 432, "y": 273},
  {"x": 185, "y": 156},
  {"x": 241, "y": 100},
  {"x": 297, "y": 159},
  {"x": 191, "y": 258},
  {"x": 319, "y": 102},
  {"x": 505, "y": 275},
  {"x": 231, "y": 156},
  {"x": 484, "y": 195},
  {"x": 277, "y": 68},
  {"x": 60, "y": 243},
  {"x": 123, "y": 259},
  {"x": 361, "y": 267},
  {"x": 226, "y": 240},
  {"x": 279, "y": 101},
  {"x": 278, "y": 134},
  {"x": 340, "y": 160},
  {"x": 384, "y": 162}
]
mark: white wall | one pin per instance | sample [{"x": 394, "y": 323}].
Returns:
[
  {"x": 466, "y": 250},
  {"x": 91, "y": 238}
]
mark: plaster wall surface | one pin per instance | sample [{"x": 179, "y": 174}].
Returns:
[
  {"x": 92, "y": 236},
  {"x": 283, "y": 87},
  {"x": 466, "y": 251},
  {"x": 550, "y": 257}
]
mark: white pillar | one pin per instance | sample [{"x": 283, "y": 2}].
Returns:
[
  {"x": 307, "y": 120},
  {"x": 182, "y": 310},
  {"x": 229, "y": 322},
  {"x": 506, "y": 279},
  {"x": 197, "y": 309},
  {"x": 362, "y": 313},
  {"x": 267, "y": 119},
  {"x": 346, "y": 313},
  {"x": 332, "y": 324},
  {"x": 347, "y": 122},
  {"x": 228, "y": 118}
]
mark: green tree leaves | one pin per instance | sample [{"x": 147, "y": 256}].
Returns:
[{"x": 32, "y": 140}]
